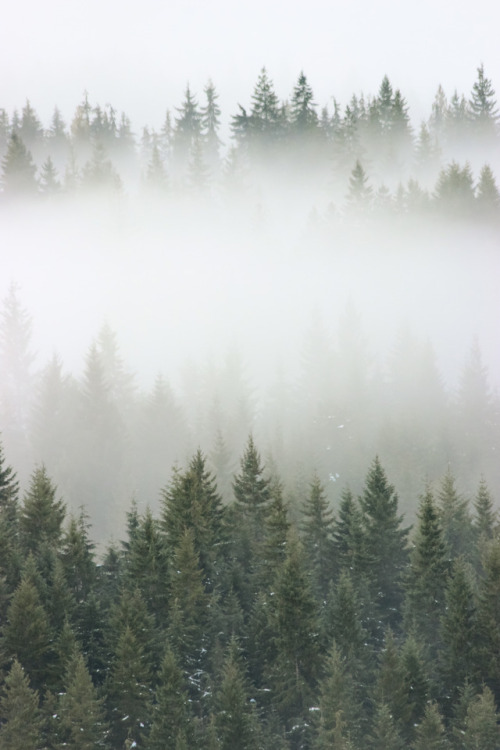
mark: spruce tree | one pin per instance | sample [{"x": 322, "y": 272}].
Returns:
[
  {"x": 481, "y": 723},
  {"x": 317, "y": 529},
  {"x": 455, "y": 518},
  {"x": 483, "y": 107},
  {"x": 171, "y": 715},
  {"x": 18, "y": 170},
  {"x": 235, "y": 715},
  {"x": 458, "y": 659},
  {"x": 384, "y": 543},
  {"x": 425, "y": 581},
  {"x": 488, "y": 617},
  {"x": 82, "y": 720},
  {"x": 430, "y": 733},
  {"x": 19, "y": 707},
  {"x": 42, "y": 515}
]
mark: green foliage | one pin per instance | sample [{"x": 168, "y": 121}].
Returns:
[
  {"x": 22, "y": 722},
  {"x": 82, "y": 721},
  {"x": 42, "y": 515}
]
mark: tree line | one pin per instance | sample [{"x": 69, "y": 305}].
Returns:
[
  {"x": 248, "y": 623},
  {"x": 104, "y": 439},
  {"x": 366, "y": 154}
]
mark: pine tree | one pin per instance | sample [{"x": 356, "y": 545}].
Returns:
[
  {"x": 171, "y": 714},
  {"x": 42, "y": 515},
  {"x": 192, "y": 502},
  {"x": 458, "y": 657},
  {"x": 487, "y": 193},
  {"x": 210, "y": 124},
  {"x": 348, "y": 534},
  {"x": 385, "y": 734},
  {"x": 430, "y": 733},
  {"x": 317, "y": 528},
  {"x": 187, "y": 129},
  {"x": 18, "y": 170},
  {"x": 481, "y": 724},
  {"x": 128, "y": 691},
  {"x": 27, "y": 634},
  {"x": 483, "y": 106},
  {"x": 426, "y": 578},
  {"x": 341, "y": 713},
  {"x": 384, "y": 542},
  {"x": 10, "y": 557},
  {"x": 359, "y": 197},
  {"x": 488, "y": 616},
  {"x": 455, "y": 518},
  {"x": 82, "y": 720},
  {"x": 303, "y": 115},
  {"x": 454, "y": 190},
  {"x": 49, "y": 183},
  {"x": 235, "y": 717},
  {"x": 22, "y": 723},
  {"x": 294, "y": 620}
]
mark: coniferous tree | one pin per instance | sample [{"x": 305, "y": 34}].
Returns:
[
  {"x": 483, "y": 107},
  {"x": 360, "y": 192},
  {"x": 426, "y": 578},
  {"x": 487, "y": 193},
  {"x": 455, "y": 518},
  {"x": 27, "y": 634},
  {"x": 488, "y": 616},
  {"x": 82, "y": 720},
  {"x": 235, "y": 717},
  {"x": 171, "y": 717},
  {"x": 430, "y": 733},
  {"x": 19, "y": 707},
  {"x": 128, "y": 691},
  {"x": 384, "y": 543},
  {"x": 341, "y": 712},
  {"x": 42, "y": 515},
  {"x": 317, "y": 529},
  {"x": 192, "y": 502},
  {"x": 18, "y": 170},
  {"x": 385, "y": 734},
  {"x": 458, "y": 657},
  {"x": 481, "y": 724}
]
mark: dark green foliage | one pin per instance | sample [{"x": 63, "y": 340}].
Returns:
[
  {"x": 385, "y": 734},
  {"x": 426, "y": 578},
  {"x": 455, "y": 518},
  {"x": 488, "y": 616},
  {"x": 192, "y": 503},
  {"x": 458, "y": 655},
  {"x": 128, "y": 690},
  {"x": 236, "y": 717},
  {"x": 481, "y": 724},
  {"x": 171, "y": 717},
  {"x": 82, "y": 724},
  {"x": 22, "y": 723},
  {"x": 384, "y": 543},
  {"x": 317, "y": 529},
  {"x": 430, "y": 733},
  {"x": 42, "y": 515},
  {"x": 27, "y": 634}
]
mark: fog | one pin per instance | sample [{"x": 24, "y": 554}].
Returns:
[{"x": 326, "y": 279}]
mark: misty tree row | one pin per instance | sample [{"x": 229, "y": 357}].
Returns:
[
  {"x": 105, "y": 441},
  {"x": 241, "y": 624},
  {"x": 370, "y": 138}
]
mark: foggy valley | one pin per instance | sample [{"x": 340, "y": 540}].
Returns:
[{"x": 249, "y": 367}]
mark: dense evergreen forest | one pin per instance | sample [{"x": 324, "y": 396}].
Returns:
[
  {"x": 250, "y": 553},
  {"x": 247, "y": 625},
  {"x": 364, "y": 155}
]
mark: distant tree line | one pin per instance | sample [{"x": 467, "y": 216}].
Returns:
[
  {"x": 368, "y": 150},
  {"x": 250, "y": 624}
]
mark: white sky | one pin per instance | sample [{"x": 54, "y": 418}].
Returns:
[{"x": 139, "y": 55}]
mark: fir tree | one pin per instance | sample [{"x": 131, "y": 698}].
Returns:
[
  {"x": 430, "y": 733},
  {"x": 481, "y": 723},
  {"x": 18, "y": 170},
  {"x": 384, "y": 542},
  {"x": 455, "y": 519},
  {"x": 359, "y": 196},
  {"x": 483, "y": 106},
  {"x": 426, "y": 578},
  {"x": 42, "y": 515},
  {"x": 82, "y": 720},
  {"x": 235, "y": 718},
  {"x": 171, "y": 714},
  {"x": 22, "y": 722},
  {"x": 317, "y": 528},
  {"x": 487, "y": 193}
]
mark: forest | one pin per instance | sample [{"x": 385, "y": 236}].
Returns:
[{"x": 250, "y": 426}]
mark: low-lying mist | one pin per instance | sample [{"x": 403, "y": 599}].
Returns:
[{"x": 330, "y": 340}]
